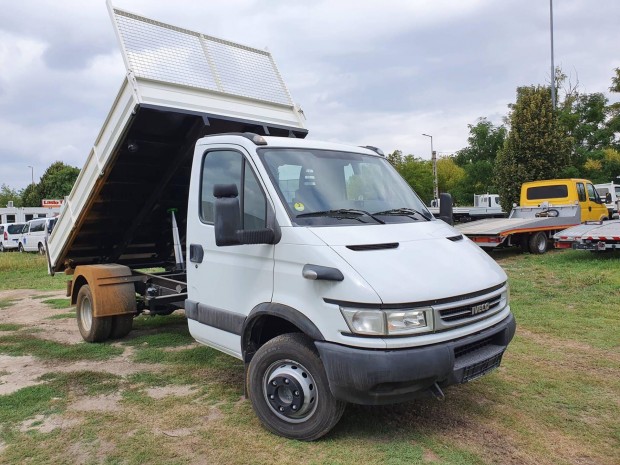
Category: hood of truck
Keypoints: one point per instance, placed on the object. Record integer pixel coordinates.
(431, 260)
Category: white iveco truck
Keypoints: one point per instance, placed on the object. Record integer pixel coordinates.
(315, 263)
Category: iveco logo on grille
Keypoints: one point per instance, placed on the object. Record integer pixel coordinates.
(480, 308)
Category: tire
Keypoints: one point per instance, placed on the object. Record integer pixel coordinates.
(289, 390)
(92, 329)
(121, 326)
(1, 247)
(538, 243)
(41, 249)
(20, 248)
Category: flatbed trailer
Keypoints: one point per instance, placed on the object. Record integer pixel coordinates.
(465, 214)
(527, 227)
(595, 236)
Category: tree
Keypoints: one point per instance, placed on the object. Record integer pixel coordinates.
(449, 175)
(9, 195)
(537, 146)
(30, 196)
(56, 183)
(478, 159)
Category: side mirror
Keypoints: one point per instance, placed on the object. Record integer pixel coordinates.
(608, 197)
(226, 214)
(445, 208)
(227, 219)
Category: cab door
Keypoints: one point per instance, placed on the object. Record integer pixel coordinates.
(596, 209)
(225, 283)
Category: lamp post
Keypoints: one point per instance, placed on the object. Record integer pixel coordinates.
(31, 173)
(434, 160)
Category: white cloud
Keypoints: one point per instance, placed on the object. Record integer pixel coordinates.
(377, 73)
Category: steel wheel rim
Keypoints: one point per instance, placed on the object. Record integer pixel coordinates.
(541, 243)
(86, 314)
(290, 391)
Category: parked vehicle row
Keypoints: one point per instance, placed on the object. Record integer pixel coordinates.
(26, 237)
(546, 207)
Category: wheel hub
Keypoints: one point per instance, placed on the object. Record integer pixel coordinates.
(290, 391)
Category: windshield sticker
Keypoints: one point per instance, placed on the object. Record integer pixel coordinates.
(299, 206)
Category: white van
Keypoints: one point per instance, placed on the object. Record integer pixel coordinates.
(34, 233)
(9, 235)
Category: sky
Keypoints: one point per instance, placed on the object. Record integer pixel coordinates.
(364, 72)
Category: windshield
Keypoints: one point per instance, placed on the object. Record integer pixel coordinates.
(321, 187)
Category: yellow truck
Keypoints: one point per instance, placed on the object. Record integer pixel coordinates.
(566, 192)
(547, 207)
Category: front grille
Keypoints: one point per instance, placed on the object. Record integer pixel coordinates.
(481, 368)
(471, 347)
(466, 311)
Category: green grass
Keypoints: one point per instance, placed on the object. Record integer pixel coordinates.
(574, 295)
(5, 303)
(28, 271)
(59, 304)
(10, 327)
(25, 344)
(553, 401)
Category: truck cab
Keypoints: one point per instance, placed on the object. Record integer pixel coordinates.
(327, 242)
(566, 192)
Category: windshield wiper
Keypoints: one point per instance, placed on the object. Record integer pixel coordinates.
(403, 212)
(342, 213)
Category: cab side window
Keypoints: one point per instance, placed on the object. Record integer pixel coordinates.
(581, 192)
(230, 167)
(592, 195)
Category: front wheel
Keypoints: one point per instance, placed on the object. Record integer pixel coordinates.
(92, 329)
(538, 243)
(20, 248)
(41, 249)
(289, 390)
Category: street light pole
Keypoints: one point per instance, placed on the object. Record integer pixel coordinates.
(434, 161)
(31, 173)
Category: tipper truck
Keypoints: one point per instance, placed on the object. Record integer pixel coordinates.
(314, 263)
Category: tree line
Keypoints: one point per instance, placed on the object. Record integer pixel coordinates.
(580, 138)
(56, 183)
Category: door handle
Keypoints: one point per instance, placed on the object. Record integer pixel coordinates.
(196, 253)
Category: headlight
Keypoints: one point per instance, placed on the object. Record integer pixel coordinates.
(388, 322)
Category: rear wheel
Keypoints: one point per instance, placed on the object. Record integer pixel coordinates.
(92, 329)
(538, 243)
(1, 247)
(121, 326)
(289, 390)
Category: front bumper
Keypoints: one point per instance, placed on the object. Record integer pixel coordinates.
(374, 377)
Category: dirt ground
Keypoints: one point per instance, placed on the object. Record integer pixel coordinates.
(29, 310)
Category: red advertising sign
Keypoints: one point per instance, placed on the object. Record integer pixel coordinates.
(51, 203)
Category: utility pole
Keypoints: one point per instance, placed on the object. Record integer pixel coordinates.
(552, 65)
(434, 161)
